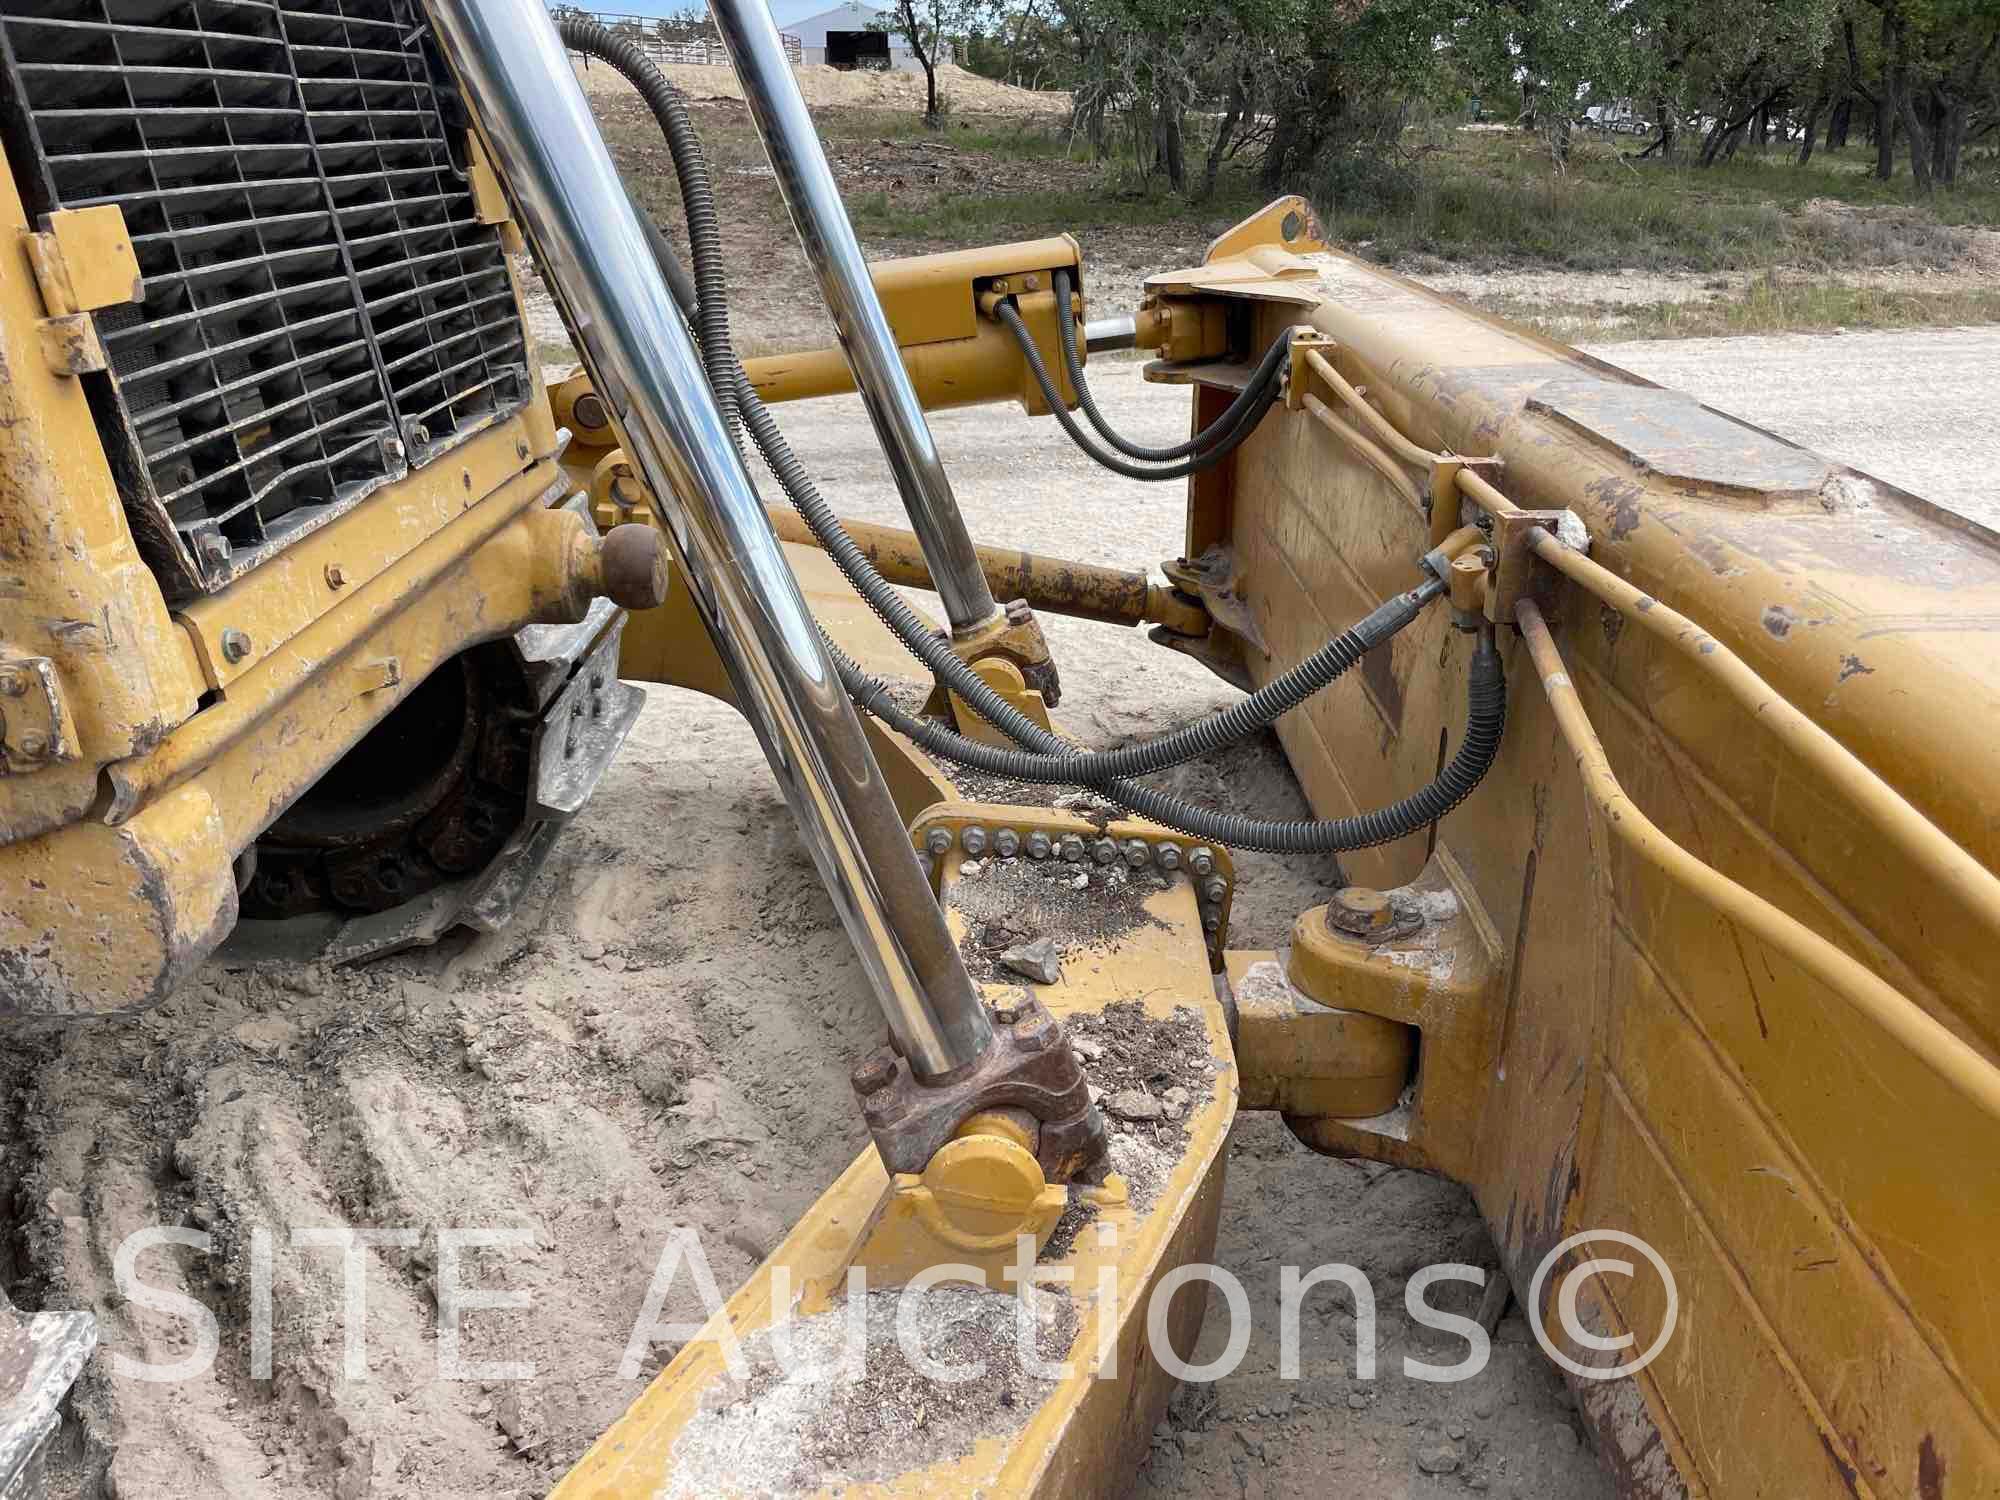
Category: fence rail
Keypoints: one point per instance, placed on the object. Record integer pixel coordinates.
(672, 51)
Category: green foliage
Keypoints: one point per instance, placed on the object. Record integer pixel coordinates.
(1286, 83)
(1361, 186)
(932, 29)
(1493, 201)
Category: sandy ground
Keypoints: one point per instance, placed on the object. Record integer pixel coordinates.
(1605, 292)
(1914, 408)
(825, 87)
(662, 1040)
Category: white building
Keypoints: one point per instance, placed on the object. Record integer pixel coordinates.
(855, 34)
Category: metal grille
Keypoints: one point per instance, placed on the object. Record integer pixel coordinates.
(323, 311)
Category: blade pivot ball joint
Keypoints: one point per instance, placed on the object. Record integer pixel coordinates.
(1028, 1066)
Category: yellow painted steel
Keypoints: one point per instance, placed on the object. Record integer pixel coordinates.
(1791, 668)
(136, 759)
(984, 366)
(112, 912)
(1116, 596)
(84, 260)
(1314, 1061)
(73, 590)
(982, 1191)
(511, 561)
(956, 355)
(1706, 959)
(1088, 1435)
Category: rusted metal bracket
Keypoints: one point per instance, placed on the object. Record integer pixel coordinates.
(969, 830)
(1298, 379)
(82, 260)
(36, 729)
(1512, 576)
(1444, 497)
(1028, 1066)
(1213, 578)
(1015, 637)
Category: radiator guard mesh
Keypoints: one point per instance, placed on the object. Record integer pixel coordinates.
(323, 311)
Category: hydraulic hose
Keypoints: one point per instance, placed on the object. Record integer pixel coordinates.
(740, 402)
(1263, 381)
(1486, 719)
(1073, 364)
(1203, 736)
(710, 314)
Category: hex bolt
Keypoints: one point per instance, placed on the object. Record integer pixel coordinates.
(938, 841)
(1169, 856)
(972, 840)
(1039, 845)
(1072, 848)
(235, 645)
(1215, 888)
(1006, 843)
(1201, 861)
(1104, 851)
(873, 1073)
(1211, 920)
(13, 684)
(1359, 911)
(336, 576)
(1138, 853)
(33, 746)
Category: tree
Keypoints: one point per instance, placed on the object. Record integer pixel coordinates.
(1555, 52)
(690, 23)
(1741, 66)
(929, 27)
(1937, 66)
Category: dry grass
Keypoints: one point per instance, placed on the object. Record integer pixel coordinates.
(1462, 200)
(1769, 304)
(1490, 200)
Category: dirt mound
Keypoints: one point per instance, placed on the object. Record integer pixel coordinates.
(838, 88)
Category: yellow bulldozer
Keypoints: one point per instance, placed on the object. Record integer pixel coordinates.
(1659, 753)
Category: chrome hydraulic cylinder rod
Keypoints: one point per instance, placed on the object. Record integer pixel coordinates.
(1120, 331)
(806, 181)
(569, 201)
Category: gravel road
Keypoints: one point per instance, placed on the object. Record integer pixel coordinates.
(1912, 407)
